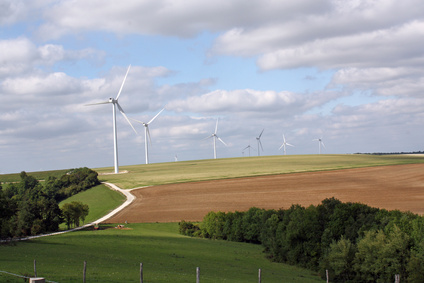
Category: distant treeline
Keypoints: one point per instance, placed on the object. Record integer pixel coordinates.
(394, 153)
(30, 207)
(354, 242)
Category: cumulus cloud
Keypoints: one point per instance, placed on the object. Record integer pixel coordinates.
(20, 55)
(384, 81)
(160, 16)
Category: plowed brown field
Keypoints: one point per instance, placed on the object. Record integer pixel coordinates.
(391, 187)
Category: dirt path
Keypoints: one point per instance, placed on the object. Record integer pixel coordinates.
(391, 187)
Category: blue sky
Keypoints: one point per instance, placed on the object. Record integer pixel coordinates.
(349, 72)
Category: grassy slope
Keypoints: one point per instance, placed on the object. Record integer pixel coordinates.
(100, 200)
(114, 255)
(186, 171)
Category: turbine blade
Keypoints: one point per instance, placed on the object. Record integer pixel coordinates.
(104, 102)
(323, 145)
(289, 144)
(156, 116)
(221, 140)
(122, 85)
(281, 146)
(125, 116)
(246, 147)
(261, 133)
(136, 120)
(261, 144)
(216, 127)
(148, 134)
(208, 137)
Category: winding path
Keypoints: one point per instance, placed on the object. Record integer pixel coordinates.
(129, 199)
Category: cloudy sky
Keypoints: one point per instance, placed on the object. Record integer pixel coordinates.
(347, 71)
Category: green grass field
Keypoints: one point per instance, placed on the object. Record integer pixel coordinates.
(100, 200)
(114, 255)
(188, 171)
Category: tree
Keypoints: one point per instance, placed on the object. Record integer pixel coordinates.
(381, 256)
(339, 260)
(73, 212)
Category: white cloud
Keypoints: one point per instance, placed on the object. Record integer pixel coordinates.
(389, 47)
(168, 17)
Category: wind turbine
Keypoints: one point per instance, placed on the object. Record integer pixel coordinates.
(115, 103)
(285, 143)
(215, 137)
(248, 147)
(320, 142)
(259, 142)
(147, 135)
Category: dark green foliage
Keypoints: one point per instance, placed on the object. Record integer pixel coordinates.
(73, 182)
(354, 242)
(29, 208)
(189, 229)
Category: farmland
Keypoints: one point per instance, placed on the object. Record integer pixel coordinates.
(215, 169)
(113, 255)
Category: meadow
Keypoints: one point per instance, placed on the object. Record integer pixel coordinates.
(114, 255)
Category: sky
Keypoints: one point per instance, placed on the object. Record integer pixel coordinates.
(349, 72)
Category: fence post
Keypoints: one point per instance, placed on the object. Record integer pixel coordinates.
(260, 275)
(141, 272)
(84, 271)
(35, 268)
(197, 274)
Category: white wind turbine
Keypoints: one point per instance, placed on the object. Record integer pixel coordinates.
(215, 137)
(147, 134)
(259, 142)
(320, 143)
(115, 103)
(285, 143)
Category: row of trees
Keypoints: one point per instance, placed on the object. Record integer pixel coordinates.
(354, 242)
(30, 207)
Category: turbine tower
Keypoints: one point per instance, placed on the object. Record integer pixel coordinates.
(259, 142)
(115, 103)
(285, 143)
(147, 135)
(215, 137)
(320, 143)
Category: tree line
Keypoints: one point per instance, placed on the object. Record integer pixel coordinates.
(30, 207)
(353, 241)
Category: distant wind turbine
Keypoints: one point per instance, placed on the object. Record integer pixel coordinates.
(147, 135)
(176, 158)
(320, 143)
(248, 147)
(285, 143)
(259, 142)
(215, 137)
(115, 133)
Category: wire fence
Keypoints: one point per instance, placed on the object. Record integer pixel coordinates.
(23, 276)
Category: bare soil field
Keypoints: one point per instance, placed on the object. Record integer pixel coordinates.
(391, 187)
